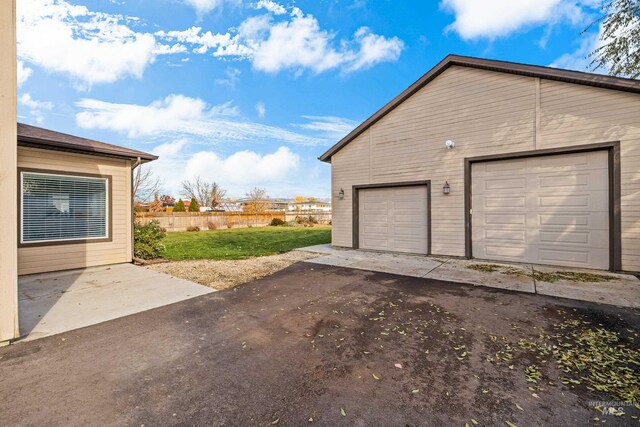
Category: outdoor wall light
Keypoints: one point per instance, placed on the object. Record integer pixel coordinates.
(450, 144)
(445, 188)
(341, 194)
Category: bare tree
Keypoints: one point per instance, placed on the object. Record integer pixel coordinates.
(257, 200)
(145, 184)
(217, 195)
(619, 50)
(207, 194)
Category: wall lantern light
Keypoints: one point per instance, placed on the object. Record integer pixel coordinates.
(449, 144)
(341, 194)
(446, 189)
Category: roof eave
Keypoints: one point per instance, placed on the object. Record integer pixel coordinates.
(72, 148)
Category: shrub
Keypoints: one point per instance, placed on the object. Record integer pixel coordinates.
(147, 242)
(193, 228)
(277, 221)
(212, 226)
(229, 225)
(179, 206)
(193, 205)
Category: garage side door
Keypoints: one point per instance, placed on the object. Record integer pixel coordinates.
(543, 210)
(393, 219)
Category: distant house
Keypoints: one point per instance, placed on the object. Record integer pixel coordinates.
(74, 201)
(309, 206)
(230, 207)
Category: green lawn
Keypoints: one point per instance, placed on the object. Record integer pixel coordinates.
(239, 243)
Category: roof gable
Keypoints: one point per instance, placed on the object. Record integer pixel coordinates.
(568, 76)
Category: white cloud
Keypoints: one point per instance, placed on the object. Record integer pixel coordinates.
(333, 128)
(233, 77)
(91, 47)
(182, 116)
(495, 18)
(374, 49)
(29, 102)
(205, 6)
(244, 167)
(271, 6)
(279, 41)
(236, 172)
(24, 73)
(261, 109)
(36, 108)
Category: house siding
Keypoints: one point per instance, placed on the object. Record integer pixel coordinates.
(486, 113)
(39, 259)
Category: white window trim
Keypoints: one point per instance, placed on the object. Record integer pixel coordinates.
(79, 239)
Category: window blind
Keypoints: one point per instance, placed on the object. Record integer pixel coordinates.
(61, 207)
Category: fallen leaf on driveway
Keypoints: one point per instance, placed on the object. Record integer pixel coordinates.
(343, 412)
(375, 377)
(398, 365)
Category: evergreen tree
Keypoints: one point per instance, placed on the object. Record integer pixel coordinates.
(179, 206)
(193, 205)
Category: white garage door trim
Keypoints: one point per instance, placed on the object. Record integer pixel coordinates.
(614, 177)
(356, 209)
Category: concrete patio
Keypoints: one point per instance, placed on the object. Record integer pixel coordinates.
(618, 289)
(52, 303)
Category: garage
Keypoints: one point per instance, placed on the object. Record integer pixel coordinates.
(543, 210)
(525, 164)
(394, 219)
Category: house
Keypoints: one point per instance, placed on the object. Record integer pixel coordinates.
(308, 206)
(74, 201)
(498, 161)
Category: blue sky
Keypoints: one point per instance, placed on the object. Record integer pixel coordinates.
(251, 93)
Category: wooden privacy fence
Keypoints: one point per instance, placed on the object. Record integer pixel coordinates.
(180, 221)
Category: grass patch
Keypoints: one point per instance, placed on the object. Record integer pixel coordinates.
(241, 243)
(487, 268)
(572, 276)
(544, 277)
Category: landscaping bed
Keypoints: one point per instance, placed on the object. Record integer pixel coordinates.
(225, 274)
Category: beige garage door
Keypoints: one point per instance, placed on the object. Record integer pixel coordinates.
(393, 219)
(543, 210)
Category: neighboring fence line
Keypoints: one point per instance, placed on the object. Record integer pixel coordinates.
(323, 217)
(180, 221)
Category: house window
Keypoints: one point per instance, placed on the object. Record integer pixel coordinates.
(63, 207)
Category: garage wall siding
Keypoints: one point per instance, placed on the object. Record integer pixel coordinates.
(68, 256)
(574, 115)
(485, 113)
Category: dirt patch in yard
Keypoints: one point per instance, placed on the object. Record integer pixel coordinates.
(225, 274)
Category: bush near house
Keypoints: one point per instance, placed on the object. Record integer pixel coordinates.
(276, 222)
(147, 243)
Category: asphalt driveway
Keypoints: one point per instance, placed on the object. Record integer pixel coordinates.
(322, 345)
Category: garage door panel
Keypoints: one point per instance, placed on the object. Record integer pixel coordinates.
(393, 219)
(560, 216)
